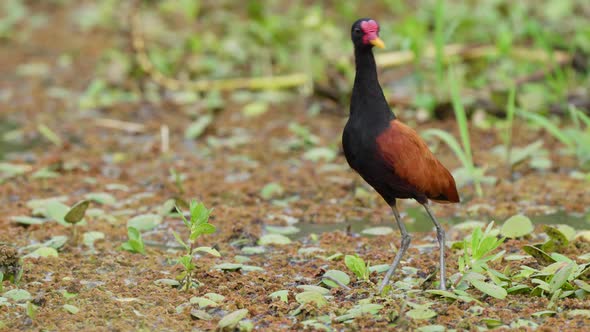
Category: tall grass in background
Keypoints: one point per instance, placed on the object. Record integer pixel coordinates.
(576, 138)
(510, 110)
(439, 40)
(461, 150)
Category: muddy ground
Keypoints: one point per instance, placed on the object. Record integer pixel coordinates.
(117, 290)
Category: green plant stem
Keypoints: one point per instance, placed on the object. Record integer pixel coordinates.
(439, 39)
(189, 270)
(510, 109)
(463, 129)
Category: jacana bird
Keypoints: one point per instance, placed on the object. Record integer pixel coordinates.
(386, 153)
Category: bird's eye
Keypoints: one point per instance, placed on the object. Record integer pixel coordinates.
(357, 30)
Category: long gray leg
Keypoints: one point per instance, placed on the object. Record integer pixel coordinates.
(406, 239)
(440, 235)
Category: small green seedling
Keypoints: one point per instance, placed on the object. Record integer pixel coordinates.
(477, 251)
(75, 215)
(177, 177)
(31, 310)
(135, 242)
(198, 224)
(357, 266)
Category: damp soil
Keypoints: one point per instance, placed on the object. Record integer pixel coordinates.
(116, 290)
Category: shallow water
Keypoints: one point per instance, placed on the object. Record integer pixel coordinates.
(416, 220)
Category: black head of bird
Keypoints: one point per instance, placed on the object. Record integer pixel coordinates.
(365, 34)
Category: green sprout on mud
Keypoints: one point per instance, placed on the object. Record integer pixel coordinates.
(510, 110)
(198, 225)
(135, 242)
(357, 266)
(75, 215)
(576, 139)
(477, 250)
(177, 177)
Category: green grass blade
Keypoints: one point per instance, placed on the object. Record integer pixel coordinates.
(461, 118)
(579, 115)
(451, 142)
(510, 110)
(439, 38)
(549, 126)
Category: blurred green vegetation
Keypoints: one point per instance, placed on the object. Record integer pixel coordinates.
(541, 47)
(192, 39)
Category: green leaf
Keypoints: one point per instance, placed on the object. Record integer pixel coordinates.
(200, 229)
(90, 237)
(492, 322)
(71, 309)
(282, 295)
(376, 231)
(215, 297)
(26, 220)
(489, 289)
(561, 235)
(179, 240)
(311, 297)
(379, 268)
(203, 302)
(167, 282)
(541, 256)
(253, 250)
(443, 293)
(320, 153)
(432, 328)
(57, 211)
(228, 266)
(101, 198)
(199, 213)
(49, 134)
(284, 230)
(421, 313)
(547, 125)
(255, 109)
(18, 295)
(135, 242)
(56, 242)
(578, 312)
(196, 128)
(580, 283)
(357, 266)
(43, 252)
(232, 319)
(451, 141)
(342, 277)
(276, 239)
(517, 226)
(209, 250)
(271, 190)
(561, 277)
(544, 313)
(145, 222)
(314, 288)
(200, 314)
(10, 170)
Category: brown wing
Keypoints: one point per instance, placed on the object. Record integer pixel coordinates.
(410, 158)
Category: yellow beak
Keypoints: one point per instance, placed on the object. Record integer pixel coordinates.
(377, 42)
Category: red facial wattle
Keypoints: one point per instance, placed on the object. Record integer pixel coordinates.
(371, 33)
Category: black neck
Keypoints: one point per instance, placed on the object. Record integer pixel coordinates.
(367, 97)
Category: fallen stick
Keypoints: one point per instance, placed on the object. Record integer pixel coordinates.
(130, 127)
(399, 58)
